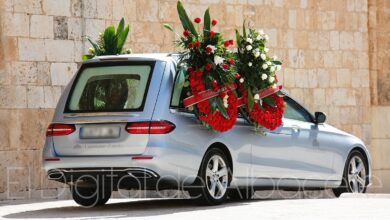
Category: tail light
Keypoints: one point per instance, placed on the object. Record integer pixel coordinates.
(150, 127)
(59, 129)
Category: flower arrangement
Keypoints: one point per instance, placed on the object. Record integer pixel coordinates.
(210, 70)
(264, 104)
(110, 42)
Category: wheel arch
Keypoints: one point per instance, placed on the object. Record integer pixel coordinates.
(365, 155)
(225, 150)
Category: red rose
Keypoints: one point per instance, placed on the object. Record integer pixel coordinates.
(214, 83)
(214, 22)
(197, 44)
(190, 45)
(212, 34)
(208, 50)
(186, 33)
(238, 76)
(231, 42)
(231, 61)
(197, 20)
(225, 66)
(226, 43)
(208, 66)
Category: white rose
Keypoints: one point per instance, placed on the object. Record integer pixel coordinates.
(248, 47)
(263, 56)
(241, 80)
(218, 60)
(257, 49)
(271, 79)
(274, 57)
(273, 68)
(265, 66)
(259, 37)
(261, 32)
(266, 37)
(256, 97)
(250, 64)
(266, 49)
(257, 54)
(278, 67)
(269, 63)
(249, 40)
(264, 76)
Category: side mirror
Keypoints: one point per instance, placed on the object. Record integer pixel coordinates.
(320, 117)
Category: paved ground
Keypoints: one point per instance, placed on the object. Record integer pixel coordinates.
(349, 207)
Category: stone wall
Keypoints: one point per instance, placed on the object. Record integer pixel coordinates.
(324, 45)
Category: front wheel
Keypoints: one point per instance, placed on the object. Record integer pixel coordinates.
(355, 177)
(213, 179)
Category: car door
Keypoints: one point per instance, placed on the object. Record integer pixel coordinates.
(293, 150)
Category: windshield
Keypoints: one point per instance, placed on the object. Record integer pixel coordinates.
(110, 88)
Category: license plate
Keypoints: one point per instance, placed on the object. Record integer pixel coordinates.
(90, 132)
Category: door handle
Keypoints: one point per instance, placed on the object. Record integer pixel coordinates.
(295, 128)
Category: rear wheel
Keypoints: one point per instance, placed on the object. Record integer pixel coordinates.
(213, 180)
(90, 196)
(355, 177)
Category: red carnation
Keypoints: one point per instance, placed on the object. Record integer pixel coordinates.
(226, 43)
(212, 34)
(186, 33)
(197, 44)
(208, 66)
(225, 66)
(238, 76)
(208, 50)
(231, 61)
(214, 22)
(197, 20)
(231, 42)
(190, 45)
(189, 69)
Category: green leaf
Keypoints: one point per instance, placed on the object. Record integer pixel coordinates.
(109, 41)
(206, 20)
(120, 27)
(169, 27)
(243, 30)
(250, 99)
(269, 100)
(238, 38)
(185, 20)
(122, 38)
(95, 46)
(221, 108)
(86, 57)
(277, 62)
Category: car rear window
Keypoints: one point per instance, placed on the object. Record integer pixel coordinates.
(110, 88)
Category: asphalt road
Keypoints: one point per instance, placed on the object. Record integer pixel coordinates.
(349, 207)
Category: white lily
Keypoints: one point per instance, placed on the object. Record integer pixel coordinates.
(212, 48)
(266, 49)
(218, 60)
(273, 68)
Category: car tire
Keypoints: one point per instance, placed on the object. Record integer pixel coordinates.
(211, 185)
(241, 194)
(90, 196)
(355, 175)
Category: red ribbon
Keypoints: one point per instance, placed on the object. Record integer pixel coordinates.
(207, 94)
(262, 94)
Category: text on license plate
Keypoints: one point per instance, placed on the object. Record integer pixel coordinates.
(99, 132)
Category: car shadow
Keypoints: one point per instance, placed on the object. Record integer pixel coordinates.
(142, 208)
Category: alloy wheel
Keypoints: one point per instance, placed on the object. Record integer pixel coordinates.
(216, 177)
(357, 175)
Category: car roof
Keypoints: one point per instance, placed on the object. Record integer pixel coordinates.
(134, 57)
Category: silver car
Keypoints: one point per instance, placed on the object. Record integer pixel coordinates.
(120, 124)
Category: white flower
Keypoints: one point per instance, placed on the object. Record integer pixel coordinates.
(250, 64)
(266, 49)
(249, 47)
(226, 105)
(278, 67)
(259, 37)
(91, 50)
(274, 57)
(212, 48)
(271, 79)
(261, 32)
(269, 63)
(266, 37)
(257, 49)
(263, 56)
(272, 69)
(218, 60)
(256, 54)
(265, 66)
(225, 97)
(264, 76)
(241, 80)
(249, 40)
(256, 97)
(273, 86)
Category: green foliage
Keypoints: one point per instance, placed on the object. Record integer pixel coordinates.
(110, 42)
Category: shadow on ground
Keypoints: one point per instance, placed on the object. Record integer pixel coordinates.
(143, 208)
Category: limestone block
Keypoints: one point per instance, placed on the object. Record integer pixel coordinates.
(59, 50)
(288, 39)
(76, 8)
(381, 181)
(35, 97)
(93, 27)
(334, 40)
(75, 29)
(146, 10)
(41, 26)
(16, 24)
(144, 32)
(31, 49)
(289, 78)
(323, 40)
(344, 78)
(55, 7)
(292, 19)
(104, 9)
(346, 40)
(28, 6)
(167, 11)
(51, 96)
(61, 73)
(380, 122)
(131, 10)
(60, 28)
(13, 97)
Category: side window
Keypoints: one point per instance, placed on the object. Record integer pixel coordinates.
(179, 91)
(293, 110)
